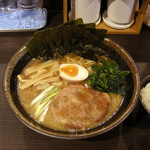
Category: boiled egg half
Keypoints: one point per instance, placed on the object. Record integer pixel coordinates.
(73, 72)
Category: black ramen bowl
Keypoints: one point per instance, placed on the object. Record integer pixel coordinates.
(21, 58)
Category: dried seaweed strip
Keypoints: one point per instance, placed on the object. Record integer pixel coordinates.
(73, 22)
(37, 46)
(49, 39)
(57, 36)
(69, 37)
(94, 40)
(99, 33)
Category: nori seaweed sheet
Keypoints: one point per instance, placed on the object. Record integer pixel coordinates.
(69, 37)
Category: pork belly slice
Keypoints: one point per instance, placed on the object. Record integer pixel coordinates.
(78, 107)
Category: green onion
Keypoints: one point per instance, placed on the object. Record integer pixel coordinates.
(52, 93)
(44, 99)
(47, 92)
(41, 109)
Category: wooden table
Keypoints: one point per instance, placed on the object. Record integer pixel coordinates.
(132, 134)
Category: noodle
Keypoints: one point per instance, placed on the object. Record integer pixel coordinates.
(47, 72)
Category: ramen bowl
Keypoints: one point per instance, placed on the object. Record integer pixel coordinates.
(22, 57)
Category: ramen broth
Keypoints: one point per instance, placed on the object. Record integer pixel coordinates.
(47, 119)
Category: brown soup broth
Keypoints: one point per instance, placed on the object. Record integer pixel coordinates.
(27, 95)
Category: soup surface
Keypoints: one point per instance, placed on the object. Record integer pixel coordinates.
(64, 100)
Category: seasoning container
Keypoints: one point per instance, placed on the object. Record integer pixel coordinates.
(22, 15)
(120, 13)
(7, 14)
(31, 14)
(88, 10)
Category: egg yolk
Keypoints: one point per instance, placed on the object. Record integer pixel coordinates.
(70, 70)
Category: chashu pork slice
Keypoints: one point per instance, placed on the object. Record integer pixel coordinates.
(77, 107)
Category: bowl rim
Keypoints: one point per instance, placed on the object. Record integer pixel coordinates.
(134, 99)
(143, 83)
